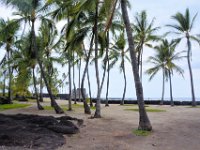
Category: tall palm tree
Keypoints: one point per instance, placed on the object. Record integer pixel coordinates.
(76, 42)
(103, 22)
(184, 25)
(144, 122)
(159, 62)
(164, 60)
(171, 56)
(144, 35)
(63, 11)
(33, 10)
(8, 31)
(25, 65)
(117, 54)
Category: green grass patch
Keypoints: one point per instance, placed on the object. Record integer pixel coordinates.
(77, 106)
(13, 106)
(148, 110)
(129, 105)
(141, 132)
(93, 108)
(31, 100)
(51, 108)
(64, 107)
(133, 105)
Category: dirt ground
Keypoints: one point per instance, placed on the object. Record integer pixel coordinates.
(176, 129)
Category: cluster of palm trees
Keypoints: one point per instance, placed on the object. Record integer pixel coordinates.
(100, 24)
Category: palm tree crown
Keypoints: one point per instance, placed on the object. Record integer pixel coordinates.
(184, 25)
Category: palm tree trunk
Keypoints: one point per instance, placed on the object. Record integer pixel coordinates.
(41, 89)
(89, 86)
(108, 70)
(56, 107)
(4, 84)
(144, 122)
(105, 67)
(171, 95)
(107, 86)
(88, 75)
(141, 64)
(36, 93)
(70, 89)
(73, 71)
(124, 93)
(10, 79)
(163, 89)
(98, 101)
(79, 80)
(190, 71)
(34, 50)
(86, 107)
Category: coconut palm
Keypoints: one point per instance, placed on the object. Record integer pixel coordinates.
(73, 40)
(8, 31)
(25, 67)
(144, 122)
(117, 54)
(144, 35)
(77, 36)
(103, 22)
(46, 45)
(33, 10)
(164, 58)
(184, 25)
(172, 56)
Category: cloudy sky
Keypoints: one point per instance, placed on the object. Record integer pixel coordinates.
(162, 11)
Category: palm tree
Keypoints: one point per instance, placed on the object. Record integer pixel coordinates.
(172, 56)
(119, 53)
(25, 66)
(144, 122)
(184, 25)
(144, 35)
(8, 31)
(164, 60)
(103, 22)
(159, 64)
(76, 42)
(33, 10)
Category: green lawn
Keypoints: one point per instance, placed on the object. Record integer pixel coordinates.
(13, 106)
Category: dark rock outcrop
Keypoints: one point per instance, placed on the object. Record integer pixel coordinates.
(4, 100)
(36, 132)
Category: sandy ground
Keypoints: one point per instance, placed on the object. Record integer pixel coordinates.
(176, 129)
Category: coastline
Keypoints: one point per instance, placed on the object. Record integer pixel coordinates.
(149, 102)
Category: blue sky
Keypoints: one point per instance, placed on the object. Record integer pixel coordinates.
(162, 11)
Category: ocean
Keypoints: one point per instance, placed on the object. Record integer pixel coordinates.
(165, 99)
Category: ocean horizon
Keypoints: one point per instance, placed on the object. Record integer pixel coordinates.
(154, 98)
